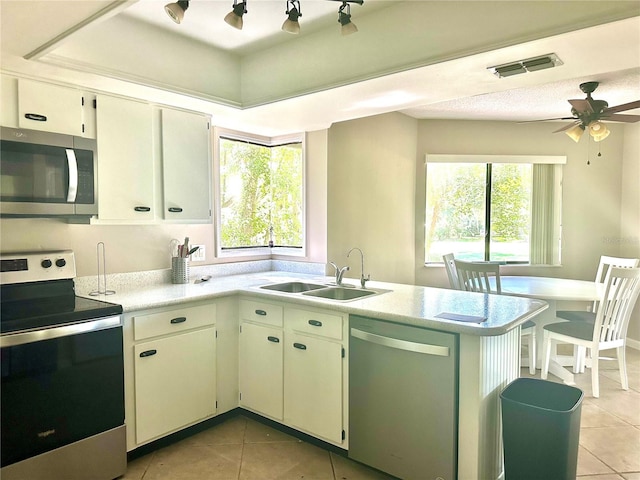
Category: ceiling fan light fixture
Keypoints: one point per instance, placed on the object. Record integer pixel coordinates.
(291, 24)
(176, 10)
(598, 131)
(575, 132)
(234, 17)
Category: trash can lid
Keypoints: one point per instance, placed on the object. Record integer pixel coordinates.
(543, 394)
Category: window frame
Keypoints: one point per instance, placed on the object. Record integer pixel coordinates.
(487, 160)
(256, 251)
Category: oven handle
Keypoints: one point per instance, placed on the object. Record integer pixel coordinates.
(57, 332)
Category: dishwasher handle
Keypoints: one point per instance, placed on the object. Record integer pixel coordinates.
(406, 345)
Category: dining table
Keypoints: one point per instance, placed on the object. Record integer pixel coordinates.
(552, 290)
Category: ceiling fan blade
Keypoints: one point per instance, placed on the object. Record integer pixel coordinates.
(548, 119)
(581, 106)
(566, 127)
(623, 107)
(615, 117)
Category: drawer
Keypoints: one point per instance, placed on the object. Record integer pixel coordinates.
(173, 321)
(261, 312)
(315, 323)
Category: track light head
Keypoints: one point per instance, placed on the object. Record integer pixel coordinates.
(176, 10)
(291, 24)
(234, 17)
(344, 18)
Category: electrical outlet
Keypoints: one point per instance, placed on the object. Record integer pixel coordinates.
(198, 255)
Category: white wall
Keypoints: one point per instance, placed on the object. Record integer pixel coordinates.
(371, 198)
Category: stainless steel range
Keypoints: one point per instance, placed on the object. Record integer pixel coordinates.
(62, 374)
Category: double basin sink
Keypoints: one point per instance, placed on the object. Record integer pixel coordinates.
(338, 293)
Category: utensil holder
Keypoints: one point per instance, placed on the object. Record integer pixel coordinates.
(180, 270)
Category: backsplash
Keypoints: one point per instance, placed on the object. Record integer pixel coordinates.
(125, 281)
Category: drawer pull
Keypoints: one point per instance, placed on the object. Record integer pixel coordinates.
(262, 313)
(35, 116)
(175, 209)
(179, 320)
(300, 346)
(315, 323)
(142, 209)
(273, 339)
(148, 353)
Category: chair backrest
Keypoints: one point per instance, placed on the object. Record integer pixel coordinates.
(622, 287)
(475, 276)
(450, 267)
(607, 262)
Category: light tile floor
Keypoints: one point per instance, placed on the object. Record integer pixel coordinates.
(243, 449)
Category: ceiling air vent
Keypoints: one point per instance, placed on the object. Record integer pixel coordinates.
(528, 65)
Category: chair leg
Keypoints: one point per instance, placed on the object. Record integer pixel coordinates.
(532, 353)
(578, 355)
(622, 366)
(595, 381)
(545, 358)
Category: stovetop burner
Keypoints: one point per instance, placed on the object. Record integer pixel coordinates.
(38, 292)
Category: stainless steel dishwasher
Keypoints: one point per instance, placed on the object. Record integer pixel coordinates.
(403, 402)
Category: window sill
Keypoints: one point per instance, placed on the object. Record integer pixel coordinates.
(264, 252)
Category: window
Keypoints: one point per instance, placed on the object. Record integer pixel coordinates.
(482, 208)
(260, 193)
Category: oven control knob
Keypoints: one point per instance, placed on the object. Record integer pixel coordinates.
(46, 263)
(61, 262)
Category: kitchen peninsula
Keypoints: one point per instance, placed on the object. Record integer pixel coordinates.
(218, 309)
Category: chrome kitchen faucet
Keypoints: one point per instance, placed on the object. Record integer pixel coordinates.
(363, 280)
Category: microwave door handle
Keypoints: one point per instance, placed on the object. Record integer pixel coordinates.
(73, 175)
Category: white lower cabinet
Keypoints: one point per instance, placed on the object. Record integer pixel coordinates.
(261, 358)
(175, 382)
(313, 386)
(170, 370)
(293, 367)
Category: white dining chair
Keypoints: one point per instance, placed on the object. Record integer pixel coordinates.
(476, 277)
(608, 331)
(605, 263)
(450, 267)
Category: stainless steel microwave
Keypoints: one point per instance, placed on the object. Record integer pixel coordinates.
(47, 174)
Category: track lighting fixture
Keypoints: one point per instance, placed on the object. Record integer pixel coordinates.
(234, 17)
(176, 10)
(344, 18)
(291, 24)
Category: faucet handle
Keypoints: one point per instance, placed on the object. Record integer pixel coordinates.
(364, 280)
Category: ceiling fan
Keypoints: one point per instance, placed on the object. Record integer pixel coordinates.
(588, 113)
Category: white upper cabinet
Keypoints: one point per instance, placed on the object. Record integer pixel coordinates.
(186, 166)
(50, 108)
(125, 160)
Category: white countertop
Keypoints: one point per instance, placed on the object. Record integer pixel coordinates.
(406, 304)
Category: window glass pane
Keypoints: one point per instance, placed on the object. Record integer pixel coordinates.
(287, 195)
(510, 212)
(455, 217)
(261, 194)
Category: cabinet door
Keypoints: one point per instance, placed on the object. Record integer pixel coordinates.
(175, 382)
(261, 387)
(125, 160)
(49, 108)
(186, 161)
(313, 386)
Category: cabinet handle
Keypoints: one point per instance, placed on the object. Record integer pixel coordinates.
(175, 209)
(273, 339)
(148, 353)
(262, 313)
(35, 116)
(315, 323)
(142, 209)
(300, 346)
(179, 320)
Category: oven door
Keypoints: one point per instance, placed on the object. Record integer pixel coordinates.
(60, 385)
